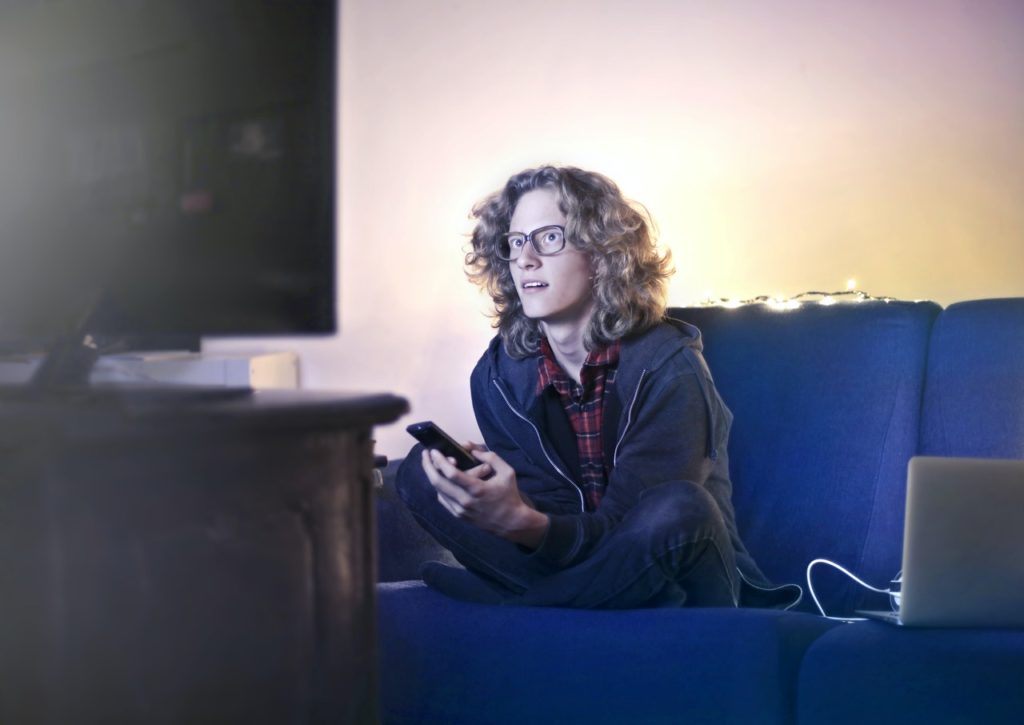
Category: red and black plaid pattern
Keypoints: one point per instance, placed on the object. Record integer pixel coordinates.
(584, 404)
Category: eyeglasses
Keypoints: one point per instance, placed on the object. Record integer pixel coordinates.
(546, 241)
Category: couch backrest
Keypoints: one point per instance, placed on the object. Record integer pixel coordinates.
(974, 390)
(827, 403)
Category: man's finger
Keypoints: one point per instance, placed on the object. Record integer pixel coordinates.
(452, 491)
(450, 486)
(483, 471)
(453, 507)
(495, 461)
(439, 481)
(463, 479)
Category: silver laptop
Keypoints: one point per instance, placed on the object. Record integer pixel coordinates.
(963, 544)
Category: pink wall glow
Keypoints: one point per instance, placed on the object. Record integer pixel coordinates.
(781, 146)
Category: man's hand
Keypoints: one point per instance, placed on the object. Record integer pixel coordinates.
(486, 496)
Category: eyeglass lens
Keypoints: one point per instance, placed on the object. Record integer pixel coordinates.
(546, 240)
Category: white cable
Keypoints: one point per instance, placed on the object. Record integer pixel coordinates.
(810, 588)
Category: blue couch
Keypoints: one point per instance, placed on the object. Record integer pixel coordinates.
(830, 402)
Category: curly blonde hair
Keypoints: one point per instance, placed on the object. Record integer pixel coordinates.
(630, 274)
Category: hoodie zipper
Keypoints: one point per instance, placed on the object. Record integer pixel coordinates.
(540, 441)
(629, 417)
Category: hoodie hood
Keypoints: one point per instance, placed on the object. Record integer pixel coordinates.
(648, 350)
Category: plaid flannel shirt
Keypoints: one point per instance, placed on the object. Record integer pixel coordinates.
(584, 404)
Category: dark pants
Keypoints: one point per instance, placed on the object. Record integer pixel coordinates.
(671, 549)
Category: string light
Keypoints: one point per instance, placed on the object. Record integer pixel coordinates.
(779, 302)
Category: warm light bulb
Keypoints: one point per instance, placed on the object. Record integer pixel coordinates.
(851, 284)
(782, 303)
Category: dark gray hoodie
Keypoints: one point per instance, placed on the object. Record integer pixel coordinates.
(672, 425)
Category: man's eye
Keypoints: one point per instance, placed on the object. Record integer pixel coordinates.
(551, 238)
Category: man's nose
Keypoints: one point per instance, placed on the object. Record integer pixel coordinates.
(528, 258)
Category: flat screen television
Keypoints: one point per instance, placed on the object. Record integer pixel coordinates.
(167, 169)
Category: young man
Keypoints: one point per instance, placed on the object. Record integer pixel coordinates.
(605, 481)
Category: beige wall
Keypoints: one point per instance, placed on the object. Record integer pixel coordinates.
(781, 146)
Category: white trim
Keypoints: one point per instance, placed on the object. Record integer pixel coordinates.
(629, 418)
(540, 441)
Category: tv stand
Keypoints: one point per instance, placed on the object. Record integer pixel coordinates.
(208, 562)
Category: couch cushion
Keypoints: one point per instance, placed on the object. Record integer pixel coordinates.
(826, 402)
(870, 672)
(444, 661)
(974, 393)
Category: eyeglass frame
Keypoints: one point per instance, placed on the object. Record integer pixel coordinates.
(528, 238)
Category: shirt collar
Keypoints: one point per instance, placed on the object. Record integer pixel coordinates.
(550, 371)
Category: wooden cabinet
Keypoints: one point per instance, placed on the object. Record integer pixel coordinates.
(192, 560)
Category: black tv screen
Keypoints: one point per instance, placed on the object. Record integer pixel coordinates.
(167, 168)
